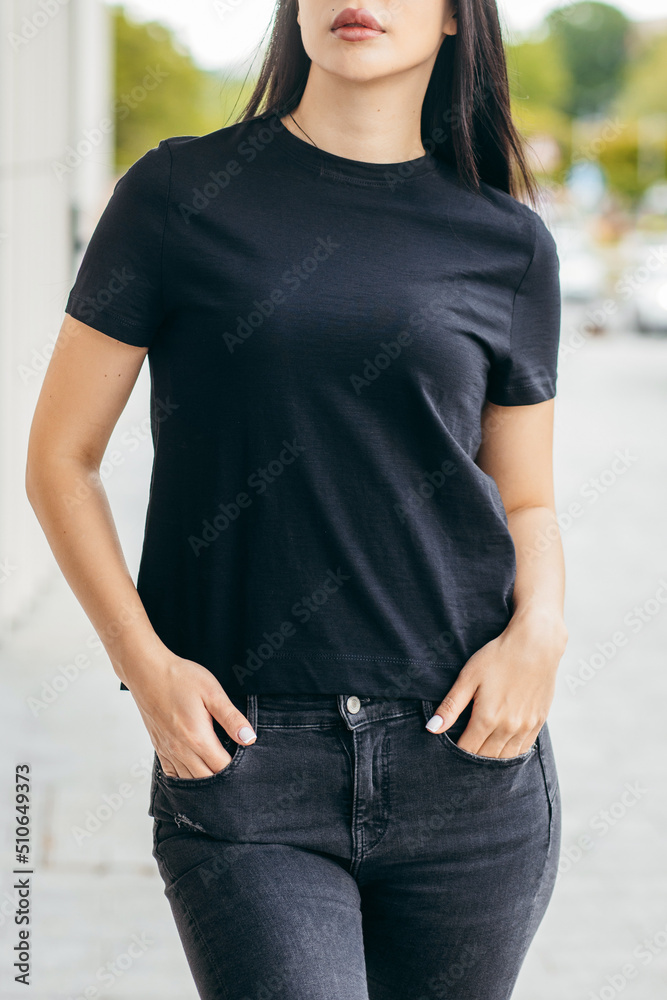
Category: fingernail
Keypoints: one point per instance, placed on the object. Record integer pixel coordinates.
(434, 723)
(246, 734)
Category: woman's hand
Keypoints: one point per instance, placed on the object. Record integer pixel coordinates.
(177, 700)
(512, 681)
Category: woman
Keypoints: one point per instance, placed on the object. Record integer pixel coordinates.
(348, 616)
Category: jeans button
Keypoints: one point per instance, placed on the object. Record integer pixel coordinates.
(353, 704)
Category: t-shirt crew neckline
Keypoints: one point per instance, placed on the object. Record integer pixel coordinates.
(354, 171)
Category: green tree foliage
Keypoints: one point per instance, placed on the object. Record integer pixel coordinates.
(593, 38)
(618, 159)
(180, 98)
(574, 65)
(645, 90)
(540, 86)
(538, 74)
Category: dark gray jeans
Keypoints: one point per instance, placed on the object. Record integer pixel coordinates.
(354, 855)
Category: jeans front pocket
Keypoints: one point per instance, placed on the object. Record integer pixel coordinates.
(449, 736)
(193, 803)
(237, 751)
(175, 781)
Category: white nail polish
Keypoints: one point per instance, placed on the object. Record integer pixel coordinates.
(246, 734)
(434, 723)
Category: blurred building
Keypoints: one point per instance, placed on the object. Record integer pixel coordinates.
(56, 165)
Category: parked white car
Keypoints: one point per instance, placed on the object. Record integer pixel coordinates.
(643, 283)
(651, 304)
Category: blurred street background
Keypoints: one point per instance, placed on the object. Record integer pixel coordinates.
(589, 89)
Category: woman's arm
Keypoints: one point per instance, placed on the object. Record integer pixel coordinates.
(512, 678)
(85, 389)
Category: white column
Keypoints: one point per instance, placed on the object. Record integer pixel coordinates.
(55, 94)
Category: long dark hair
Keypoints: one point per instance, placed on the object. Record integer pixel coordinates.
(466, 118)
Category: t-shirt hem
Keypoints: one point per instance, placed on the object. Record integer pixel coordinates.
(107, 323)
(344, 673)
(522, 394)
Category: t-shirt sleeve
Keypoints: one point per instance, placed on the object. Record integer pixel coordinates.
(528, 371)
(118, 287)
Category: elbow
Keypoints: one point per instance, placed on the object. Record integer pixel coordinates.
(28, 475)
(30, 484)
(50, 472)
(520, 508)
(36, 471)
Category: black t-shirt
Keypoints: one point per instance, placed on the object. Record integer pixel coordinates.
(323, 333)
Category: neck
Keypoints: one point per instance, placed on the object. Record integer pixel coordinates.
(377, 122)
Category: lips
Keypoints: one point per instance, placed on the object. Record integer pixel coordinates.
(359, 17)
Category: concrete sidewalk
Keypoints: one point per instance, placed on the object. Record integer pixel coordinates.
(96, 890)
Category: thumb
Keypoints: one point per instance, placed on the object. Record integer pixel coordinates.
(232, 721)
(451, 706)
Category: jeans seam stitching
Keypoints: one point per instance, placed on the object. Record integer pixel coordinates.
(357, 836)
(383, 718)
(210, 779)
(448, 744)
(493, 762)
(161, 856)
(547, 853)
(299, 725)
(386, 812)
(202, 940)
(151, 805)
(346, 751)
